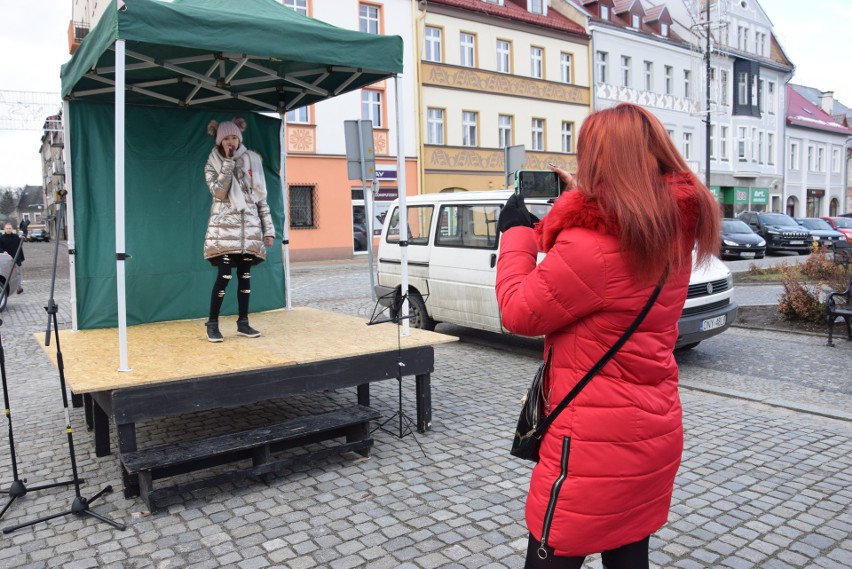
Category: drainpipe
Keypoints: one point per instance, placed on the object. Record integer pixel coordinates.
(846, 205)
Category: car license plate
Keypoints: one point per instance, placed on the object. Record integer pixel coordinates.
(797, 242)
(712, 323)
(747, 254)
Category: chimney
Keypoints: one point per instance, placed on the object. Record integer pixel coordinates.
(826, 101)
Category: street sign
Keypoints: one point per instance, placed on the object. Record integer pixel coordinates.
(358, 136)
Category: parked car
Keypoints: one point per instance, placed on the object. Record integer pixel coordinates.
(10, 280)
(781, 231)
(841, 224)
(821, 230)
(739, 241)
(38, 235)
(359, 236)
(453, 245)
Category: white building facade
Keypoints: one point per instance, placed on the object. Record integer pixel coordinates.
(815, 181)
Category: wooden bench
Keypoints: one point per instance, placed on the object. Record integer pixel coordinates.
(257, 444)
(839, 304)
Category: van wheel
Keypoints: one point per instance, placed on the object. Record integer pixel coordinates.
(419, 318)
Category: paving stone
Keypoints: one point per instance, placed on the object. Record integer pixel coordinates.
(760, 485)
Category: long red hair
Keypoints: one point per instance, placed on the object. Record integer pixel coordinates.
(625, 161)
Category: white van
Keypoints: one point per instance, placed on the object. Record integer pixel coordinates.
(453, 244)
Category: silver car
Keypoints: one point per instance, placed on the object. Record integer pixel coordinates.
(10, 280)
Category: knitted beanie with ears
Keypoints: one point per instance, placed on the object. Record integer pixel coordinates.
(227, 128)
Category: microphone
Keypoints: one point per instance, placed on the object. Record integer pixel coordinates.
(230, 152)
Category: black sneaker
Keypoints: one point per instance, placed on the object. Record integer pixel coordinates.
(243, 329)
(213, 334)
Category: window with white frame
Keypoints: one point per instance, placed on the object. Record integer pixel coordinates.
(298, 116)
(753, 144)
(625, 71)
(687, 83)
(504, 56)
(604, 12)
(770, 97)
(669, 76)
(565, 70)
(794, 156)
(811, 158)
(835, 160)
(635, 20)
(670, 133)
(742, 135)
(724, 88)
(664, 29)
(504, 130)
(536, 62)
(371, 106)
(301, 6)
(369, 18)
(742, 88)
(755, 92)
(434, 126)
(469, 127)
(567, 137)
(467, 45)
(538, 134)
(537, 7)
(742, 38)
(713, 142)
(760, 136)
(770, 148)
(687, 145)
(723, 142)
(433, 51)
(821, 159)
(762, 96)
(649, 75)
(601, 61)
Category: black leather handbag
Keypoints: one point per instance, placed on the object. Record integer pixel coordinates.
(532, 423)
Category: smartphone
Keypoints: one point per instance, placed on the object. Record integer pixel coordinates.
(538, 184)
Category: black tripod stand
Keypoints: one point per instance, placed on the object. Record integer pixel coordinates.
(80, 505)
(18, 487)
(406, 425)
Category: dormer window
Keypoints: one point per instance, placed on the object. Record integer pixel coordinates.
(497, 2)
(537, 7)
(635, 20)
(664, 29)
(604, 12)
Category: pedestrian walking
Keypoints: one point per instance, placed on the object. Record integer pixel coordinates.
(240, 225)
(629, 220)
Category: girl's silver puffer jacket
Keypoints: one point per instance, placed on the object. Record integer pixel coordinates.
(229, 230)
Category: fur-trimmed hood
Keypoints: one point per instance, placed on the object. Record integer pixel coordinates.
(573, 209)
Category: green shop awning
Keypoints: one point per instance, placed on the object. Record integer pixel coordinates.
(225, 55)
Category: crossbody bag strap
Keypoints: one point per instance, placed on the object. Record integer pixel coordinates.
(542, 427)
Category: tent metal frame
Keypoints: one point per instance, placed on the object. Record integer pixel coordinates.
(215, 85)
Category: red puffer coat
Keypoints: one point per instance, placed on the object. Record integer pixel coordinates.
(608, 463)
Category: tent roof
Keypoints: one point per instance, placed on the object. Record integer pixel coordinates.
(225, 55)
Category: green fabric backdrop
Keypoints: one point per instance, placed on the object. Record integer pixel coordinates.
(167, 205)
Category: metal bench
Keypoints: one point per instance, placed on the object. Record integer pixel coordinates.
(256, 444)
(839, 304)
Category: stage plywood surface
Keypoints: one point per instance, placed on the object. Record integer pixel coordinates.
(168, 351)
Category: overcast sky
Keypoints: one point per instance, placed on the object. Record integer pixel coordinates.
(817, 36)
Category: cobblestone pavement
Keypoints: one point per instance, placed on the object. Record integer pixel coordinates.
(766, 479)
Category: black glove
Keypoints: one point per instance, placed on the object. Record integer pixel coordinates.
(515, 214)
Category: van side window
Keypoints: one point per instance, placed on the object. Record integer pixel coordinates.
(473, 226)
(419, 222)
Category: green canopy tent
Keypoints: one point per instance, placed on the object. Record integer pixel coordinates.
(138, 94)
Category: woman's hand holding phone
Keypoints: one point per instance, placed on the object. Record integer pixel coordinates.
(567, 179)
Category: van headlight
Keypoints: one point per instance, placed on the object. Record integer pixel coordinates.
(762, 243)
(730, 280)
(729, 243)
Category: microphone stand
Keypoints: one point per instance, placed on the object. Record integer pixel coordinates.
(80, 505)
(18, 488)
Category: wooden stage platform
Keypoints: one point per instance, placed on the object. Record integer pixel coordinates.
(175, 371)
(169, 351)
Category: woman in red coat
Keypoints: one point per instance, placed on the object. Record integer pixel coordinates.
(607, 464)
